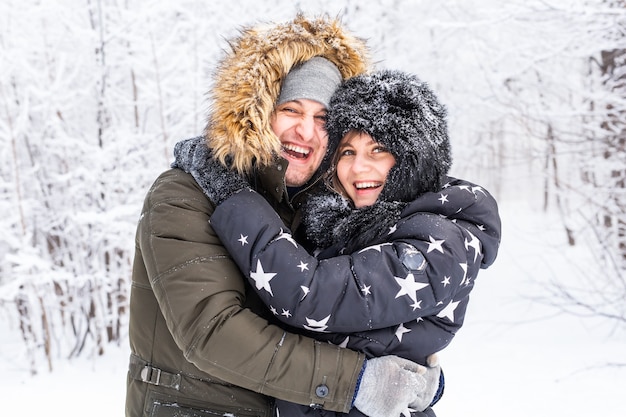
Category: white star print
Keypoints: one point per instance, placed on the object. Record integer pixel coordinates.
(243, 239)
(344, 344)
(465, 279)
(305, 291)
(365, 289)
(261, 278)
(478, 188)
(448, 311)
(303, 266)
(446, 281)
(273, 310)
(286, 313)
(375, 247)
(287, 237)
(417, 305)
(410, 287)
(474, 243)
(443, 198)
(317, 325)
(393, 229)
(434, 245)
(400, 331)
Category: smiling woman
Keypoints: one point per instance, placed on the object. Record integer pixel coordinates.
(362, 168)
(402, 114)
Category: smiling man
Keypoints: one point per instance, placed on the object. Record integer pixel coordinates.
(299, 122)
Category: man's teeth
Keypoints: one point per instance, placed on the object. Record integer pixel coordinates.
(295, 148)
(362, 185)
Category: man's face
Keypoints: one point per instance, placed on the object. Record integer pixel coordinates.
(299, 125)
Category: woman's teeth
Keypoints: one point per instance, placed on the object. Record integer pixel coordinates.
(363, 185)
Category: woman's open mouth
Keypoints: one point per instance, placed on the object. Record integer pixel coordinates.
(367, 185)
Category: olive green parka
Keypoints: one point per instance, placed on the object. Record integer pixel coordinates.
(202, 344)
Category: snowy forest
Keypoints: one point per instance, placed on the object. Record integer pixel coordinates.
(95, 93)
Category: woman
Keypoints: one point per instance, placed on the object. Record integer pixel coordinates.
(398, 244)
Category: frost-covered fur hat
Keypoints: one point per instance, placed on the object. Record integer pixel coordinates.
(401, 112)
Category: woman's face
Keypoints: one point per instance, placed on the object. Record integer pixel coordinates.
(362, 167)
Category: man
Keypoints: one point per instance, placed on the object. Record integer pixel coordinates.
(203, 344)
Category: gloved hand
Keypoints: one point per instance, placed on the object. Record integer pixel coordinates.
(217, 181)
(388, 385)
(426, 397)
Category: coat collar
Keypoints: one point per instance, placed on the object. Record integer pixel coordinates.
(270, 180)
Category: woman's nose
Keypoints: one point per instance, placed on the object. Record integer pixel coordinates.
(360, 164)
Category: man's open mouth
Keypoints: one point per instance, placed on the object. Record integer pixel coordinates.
(295, 151)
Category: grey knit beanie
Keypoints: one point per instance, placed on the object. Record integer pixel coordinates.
(401, 112)
(315, 79)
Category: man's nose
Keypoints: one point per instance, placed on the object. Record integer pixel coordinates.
(306, 127)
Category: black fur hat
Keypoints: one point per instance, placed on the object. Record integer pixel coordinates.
(401, 112)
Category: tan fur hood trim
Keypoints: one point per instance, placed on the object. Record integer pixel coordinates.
(247, 82)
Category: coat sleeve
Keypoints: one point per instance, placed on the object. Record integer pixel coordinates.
(416, 272)
(415, 340)
(201, 294)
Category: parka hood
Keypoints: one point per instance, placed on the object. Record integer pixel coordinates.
(247, 83)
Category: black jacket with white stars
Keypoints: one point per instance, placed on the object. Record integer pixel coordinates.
(404, 292)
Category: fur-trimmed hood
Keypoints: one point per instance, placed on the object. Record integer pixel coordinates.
(247, 83)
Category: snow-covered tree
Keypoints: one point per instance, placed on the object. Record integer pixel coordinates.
(596, 196)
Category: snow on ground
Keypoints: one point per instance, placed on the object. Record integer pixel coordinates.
(514, 357)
